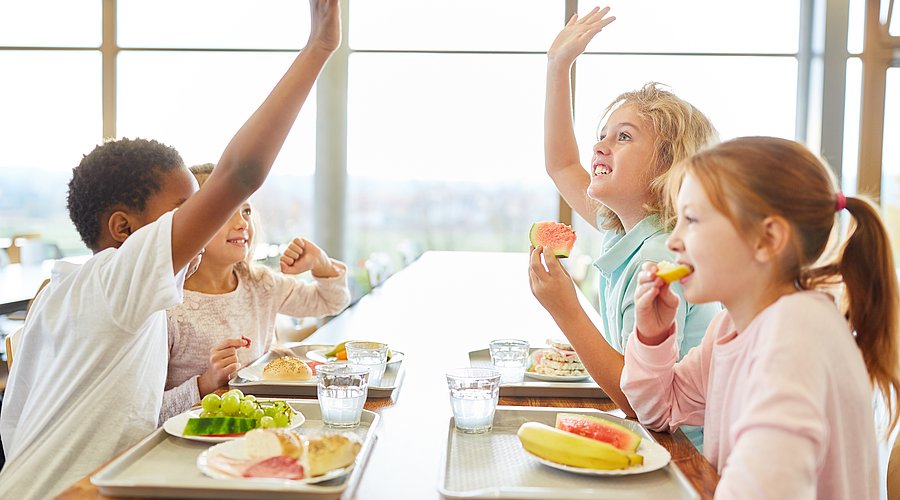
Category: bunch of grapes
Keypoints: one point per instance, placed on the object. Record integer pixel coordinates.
(235, 404)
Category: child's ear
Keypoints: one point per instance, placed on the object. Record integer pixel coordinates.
(120, 225)
(774, 237)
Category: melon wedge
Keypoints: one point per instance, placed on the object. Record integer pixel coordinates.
(670, 272)
(554, 236)
(599, 429)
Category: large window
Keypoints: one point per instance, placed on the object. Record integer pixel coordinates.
(444, 99)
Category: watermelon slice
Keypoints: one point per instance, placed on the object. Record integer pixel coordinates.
(600, 429)
(554, 236)
(217, 426)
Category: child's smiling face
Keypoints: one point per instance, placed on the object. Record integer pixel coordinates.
(705, 239)
(622, 162)
(231, 244)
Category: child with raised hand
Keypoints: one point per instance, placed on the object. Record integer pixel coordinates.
(90, 368)
(227, 318)
(782, 382)
(647, 131)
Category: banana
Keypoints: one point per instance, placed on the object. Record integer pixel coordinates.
(571, 449)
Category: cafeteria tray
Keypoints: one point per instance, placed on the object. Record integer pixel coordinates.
(390, 381)
(165, 466)
(494, 465)
(537, 388)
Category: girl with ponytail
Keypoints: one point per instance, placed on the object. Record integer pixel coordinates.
(783, 379)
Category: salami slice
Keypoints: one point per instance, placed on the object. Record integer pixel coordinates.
(280, 466)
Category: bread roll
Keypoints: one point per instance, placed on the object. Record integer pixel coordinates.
(331, 451)
(265, 443)
(287, 368)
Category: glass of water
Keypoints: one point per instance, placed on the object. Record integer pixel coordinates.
(342, 391)
(510, 358)
(372, 355)
(474, 393)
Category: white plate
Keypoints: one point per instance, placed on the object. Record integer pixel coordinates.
(556, 378)
(655, 457)
(175, 425)
(235, 449)
(318, 354)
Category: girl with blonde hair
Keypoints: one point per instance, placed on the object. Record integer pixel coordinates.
(645, 132)
(782, 381)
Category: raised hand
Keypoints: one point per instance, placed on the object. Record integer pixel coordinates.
(654, 306)
(325, 29)
(302, 255)
(551, 285)
(223, 363)
(573, 39)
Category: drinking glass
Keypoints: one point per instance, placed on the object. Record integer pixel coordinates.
(342, 390)
(473, 397)
(372, 355)
(510, 358)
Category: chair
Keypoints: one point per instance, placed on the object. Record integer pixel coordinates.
(12, 340)
(290, 329)
(893, 472)
(380, 268)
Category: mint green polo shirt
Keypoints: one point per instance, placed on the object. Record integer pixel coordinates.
(622, 258)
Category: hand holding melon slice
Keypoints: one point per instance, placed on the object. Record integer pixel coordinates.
(556, 237)
(670, 272)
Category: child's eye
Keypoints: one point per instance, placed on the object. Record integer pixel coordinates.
(601, 137)
(689, 220)
(247, 211)
(623, 136)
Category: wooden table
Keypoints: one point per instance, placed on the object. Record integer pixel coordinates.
(436, 311)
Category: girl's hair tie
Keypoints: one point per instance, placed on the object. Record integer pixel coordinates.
(840, 201)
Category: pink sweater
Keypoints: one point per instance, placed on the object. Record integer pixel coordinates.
(786, 405)
(203, 320)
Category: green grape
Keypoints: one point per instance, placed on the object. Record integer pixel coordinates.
(205, 414)
(281, 420)
(231, 403)
(266, 422)
(236, 392)
(258, 414)
(248, 408)
(250, 397)
(211, 402)
(270, 411)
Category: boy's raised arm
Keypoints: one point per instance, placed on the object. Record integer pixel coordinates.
(561, 156)
(249, 156)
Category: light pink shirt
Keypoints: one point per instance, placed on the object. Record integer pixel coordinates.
(786, 405)
(203, 320)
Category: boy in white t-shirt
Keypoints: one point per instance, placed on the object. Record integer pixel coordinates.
(91, 365)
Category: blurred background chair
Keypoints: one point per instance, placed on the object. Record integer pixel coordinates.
(380, 267)
(291, 329)
(30, 249)
(409, 251)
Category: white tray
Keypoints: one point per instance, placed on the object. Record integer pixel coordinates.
(164, 466)
(494, 465)
(537, 388)
(390, 381)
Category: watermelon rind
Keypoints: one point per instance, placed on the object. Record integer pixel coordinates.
(600, 429)
(218, 425)
(538, 237)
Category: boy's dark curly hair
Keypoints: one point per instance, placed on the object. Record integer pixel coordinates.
(122, 172)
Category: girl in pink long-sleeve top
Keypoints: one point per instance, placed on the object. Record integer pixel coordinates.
(781, 381)
(227, 319)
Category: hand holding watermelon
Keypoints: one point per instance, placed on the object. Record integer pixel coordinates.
(550, 281)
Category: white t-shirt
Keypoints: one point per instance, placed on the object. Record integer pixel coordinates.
(90, 368)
